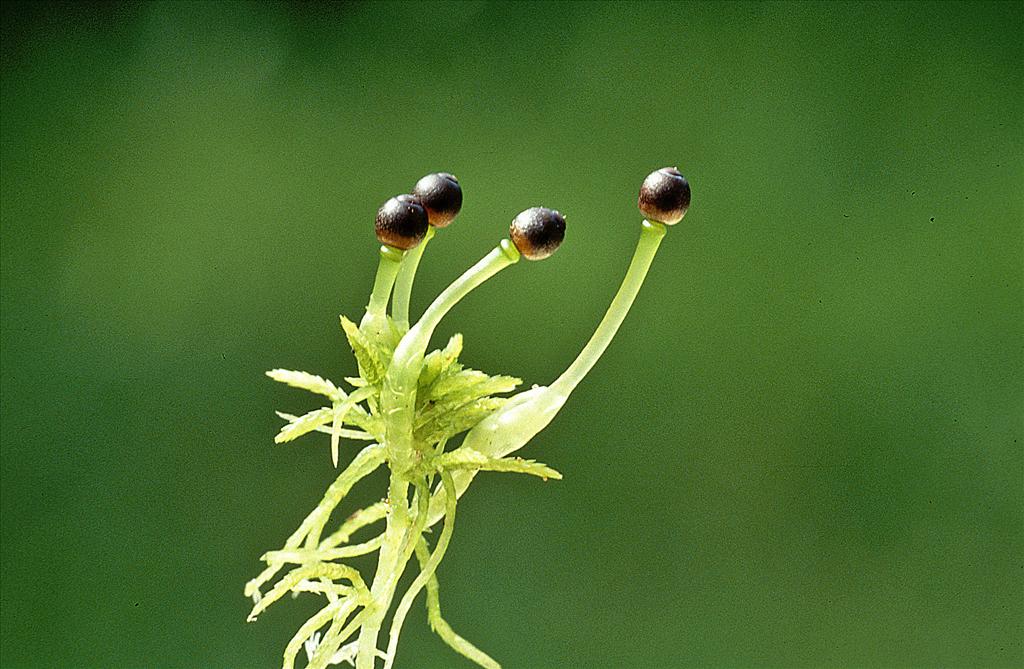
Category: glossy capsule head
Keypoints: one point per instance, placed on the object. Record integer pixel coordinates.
(402, 222)
(537, 232)
(441, 195)
(664, 196)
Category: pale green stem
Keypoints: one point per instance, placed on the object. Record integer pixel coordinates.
(361, 466)
(420, 523)
(650, 238)
(440, 625)
(403, 284)
(354, 523)
(529, 412)
(306, 556)
(375, 320)
(333, 640)
(364, 464)
(398, 397)
(388, 570)
(391, 566)
(398, 401)
(331, 570)
(325, 587)
(427, 571)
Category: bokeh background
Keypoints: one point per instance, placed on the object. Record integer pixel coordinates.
(803, 449)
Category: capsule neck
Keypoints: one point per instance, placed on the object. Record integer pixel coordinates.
(387, 270)
(510, 250)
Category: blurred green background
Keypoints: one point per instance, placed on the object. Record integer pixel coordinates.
(803, 449)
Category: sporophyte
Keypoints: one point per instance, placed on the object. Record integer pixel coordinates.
(408, 405)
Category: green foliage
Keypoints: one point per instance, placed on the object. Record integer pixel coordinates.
(373, 358)
(467, 459)
(438, 362)
(304, 424)
(307, 381)
(347, 434)
(412, 403)
(435, 424)
(450, 399)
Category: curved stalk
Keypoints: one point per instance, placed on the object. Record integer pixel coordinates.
(511, 427)
(398, 396)
(651, 235)
(440, 625)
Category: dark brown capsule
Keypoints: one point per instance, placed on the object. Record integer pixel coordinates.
(537, 232)
(402, 222)
(441, 195)
(664, 196)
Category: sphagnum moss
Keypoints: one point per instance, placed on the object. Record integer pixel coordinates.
(409, 404)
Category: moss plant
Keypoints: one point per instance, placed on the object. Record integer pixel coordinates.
(411, 405)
